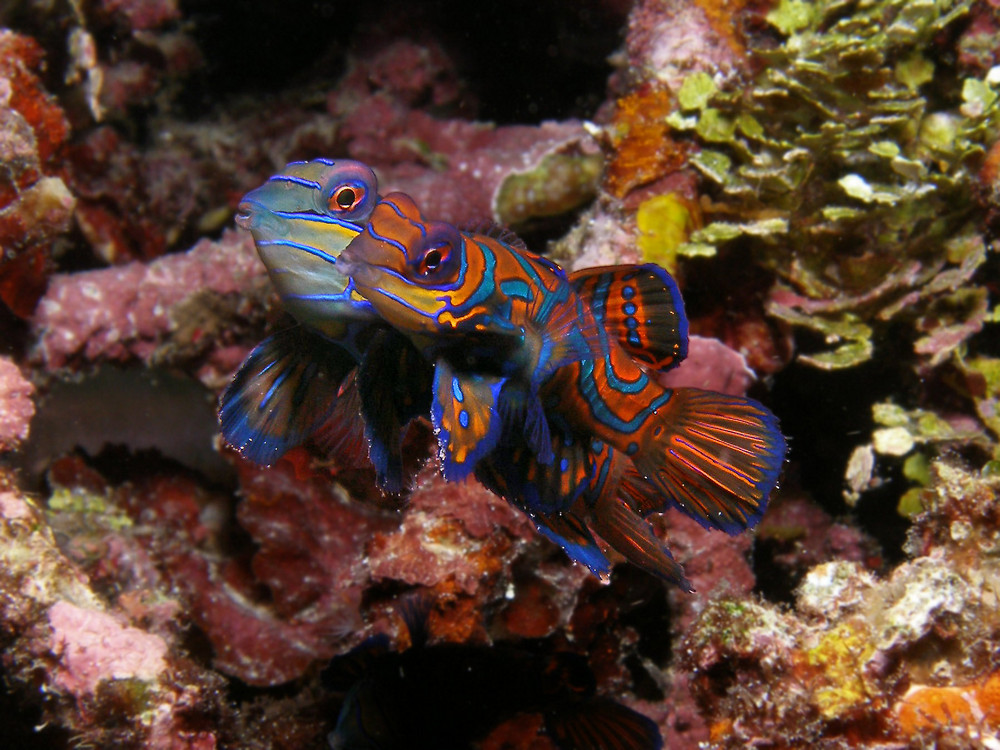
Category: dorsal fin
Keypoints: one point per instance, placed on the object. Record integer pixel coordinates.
(489, 228)
(640, 306)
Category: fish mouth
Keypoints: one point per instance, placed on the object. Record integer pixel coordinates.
(244, 215)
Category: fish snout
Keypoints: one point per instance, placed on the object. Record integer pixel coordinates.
(244, 215)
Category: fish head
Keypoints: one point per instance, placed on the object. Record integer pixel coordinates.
(301, 220)
(410, 269)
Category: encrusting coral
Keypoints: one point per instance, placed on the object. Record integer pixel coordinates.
(908, 661)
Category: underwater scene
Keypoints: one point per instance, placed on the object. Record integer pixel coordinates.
(557, 375)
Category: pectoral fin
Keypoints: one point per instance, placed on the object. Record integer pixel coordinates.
(465, 416)
(282, 393)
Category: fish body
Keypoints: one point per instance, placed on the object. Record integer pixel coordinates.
(545, 386)
(300, 383)
(495, 323)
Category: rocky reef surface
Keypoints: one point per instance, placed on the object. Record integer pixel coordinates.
(823, 178)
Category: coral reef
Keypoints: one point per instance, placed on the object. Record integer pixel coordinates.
(822, 179)
(906, 661)
(35, 205)
(16, 406)
(171, 310)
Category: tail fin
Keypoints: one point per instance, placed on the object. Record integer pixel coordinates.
(716, 457)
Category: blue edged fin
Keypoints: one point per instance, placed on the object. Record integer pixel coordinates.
(466, 420)
(641, 307)
(545, 494)
(282, 393)
(572, 534)
(610, 502)
(714, 457)
(393, 382)
(601, 724)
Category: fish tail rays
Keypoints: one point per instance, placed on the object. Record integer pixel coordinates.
(716, 457)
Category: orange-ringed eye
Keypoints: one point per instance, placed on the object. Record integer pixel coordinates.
(346, 198)
(432, 259)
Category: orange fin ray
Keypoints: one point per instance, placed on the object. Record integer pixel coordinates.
(716, 457)
(626, 531)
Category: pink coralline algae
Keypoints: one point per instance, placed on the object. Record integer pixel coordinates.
(669, 39)
(460, 535)
(93, 646)
(470, 163)
(16, 405)
(128, 312)
(310, 558)
(96, 662)
(711, 366)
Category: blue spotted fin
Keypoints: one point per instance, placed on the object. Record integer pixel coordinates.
(393, 382)
(601, 724)
(282, 393)
(641, 307)
(466, 420)
(713, 456)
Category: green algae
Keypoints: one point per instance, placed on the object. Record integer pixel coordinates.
(861, 149)
(664, 223)
(94, 507)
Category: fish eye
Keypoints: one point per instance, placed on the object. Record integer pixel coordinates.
(433, 258)
(346, 198)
